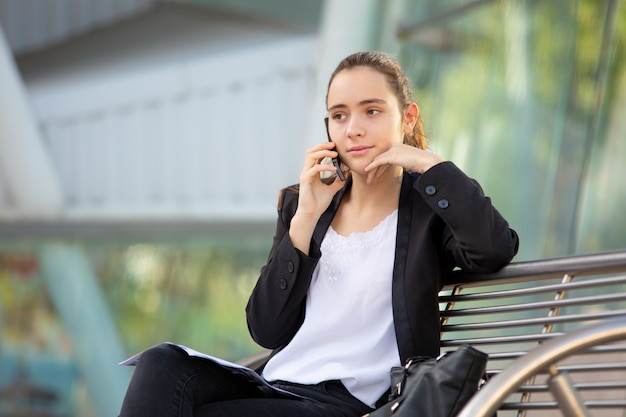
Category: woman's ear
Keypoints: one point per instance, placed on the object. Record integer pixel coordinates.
(411, 115)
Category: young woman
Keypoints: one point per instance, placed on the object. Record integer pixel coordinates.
(351, 282)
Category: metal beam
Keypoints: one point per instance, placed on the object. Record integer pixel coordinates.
(407, 30)
(79, 302)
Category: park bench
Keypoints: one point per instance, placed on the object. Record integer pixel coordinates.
(555, 332)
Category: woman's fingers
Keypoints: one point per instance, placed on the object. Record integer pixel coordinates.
(395, 155)
(316, 155)
(406, 156)
(376, 173)
(314, 172)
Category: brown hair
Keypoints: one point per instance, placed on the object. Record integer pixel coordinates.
(397, 81)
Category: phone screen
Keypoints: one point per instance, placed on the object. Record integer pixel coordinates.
(336, 161)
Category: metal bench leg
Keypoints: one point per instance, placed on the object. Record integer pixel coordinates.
(562, 388)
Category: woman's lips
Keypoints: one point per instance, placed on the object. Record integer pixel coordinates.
(359, 150)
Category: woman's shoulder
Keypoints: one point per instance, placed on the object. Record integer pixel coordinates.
(288, 197)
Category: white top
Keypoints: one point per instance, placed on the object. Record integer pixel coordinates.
(348, 332)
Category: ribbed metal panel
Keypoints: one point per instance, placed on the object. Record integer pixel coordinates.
(211, 138)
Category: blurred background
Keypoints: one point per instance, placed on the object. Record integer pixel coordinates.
(143, 144)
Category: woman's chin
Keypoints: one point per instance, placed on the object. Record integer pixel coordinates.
(359, 168)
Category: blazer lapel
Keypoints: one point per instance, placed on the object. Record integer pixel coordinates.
(327, 217)
(400, 312)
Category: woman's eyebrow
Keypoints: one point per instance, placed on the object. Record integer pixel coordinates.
(361, 103)
(371, 101)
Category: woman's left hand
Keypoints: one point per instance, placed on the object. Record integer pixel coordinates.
(406, 156)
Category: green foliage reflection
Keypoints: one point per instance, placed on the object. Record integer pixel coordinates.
(193, 296)
(528, 97)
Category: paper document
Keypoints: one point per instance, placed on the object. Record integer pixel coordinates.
(245, 372)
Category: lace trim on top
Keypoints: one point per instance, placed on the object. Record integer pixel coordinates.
(340, 252)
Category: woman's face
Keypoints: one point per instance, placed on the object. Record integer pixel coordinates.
(364, 116)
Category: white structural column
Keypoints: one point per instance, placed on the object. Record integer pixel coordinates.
(346, 26)
(27, 171)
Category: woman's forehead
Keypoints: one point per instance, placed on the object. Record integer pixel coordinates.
(357, 84)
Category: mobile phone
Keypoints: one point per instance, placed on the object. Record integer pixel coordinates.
(336, 160)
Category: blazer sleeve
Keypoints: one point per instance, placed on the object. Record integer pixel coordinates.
(476, 237)
(276, 307)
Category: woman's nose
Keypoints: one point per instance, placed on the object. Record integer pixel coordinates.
(355, 128)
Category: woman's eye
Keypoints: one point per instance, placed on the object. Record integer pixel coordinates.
(339, 116)
(373, 111)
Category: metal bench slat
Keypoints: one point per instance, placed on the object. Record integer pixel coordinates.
(534, 321)
(525, 291)
(566, 302)
(549, 405)
(536, 337)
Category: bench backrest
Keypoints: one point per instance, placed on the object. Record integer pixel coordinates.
(509, 313)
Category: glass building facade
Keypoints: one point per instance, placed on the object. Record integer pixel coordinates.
(529, 97)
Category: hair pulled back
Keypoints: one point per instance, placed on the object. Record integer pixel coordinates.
(397, 81)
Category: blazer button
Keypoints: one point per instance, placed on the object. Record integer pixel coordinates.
(443, 203)
(283, 284)
(290, 267)
(430, 190)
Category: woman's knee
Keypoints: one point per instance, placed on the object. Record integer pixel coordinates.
(155, 384)
(161, 357)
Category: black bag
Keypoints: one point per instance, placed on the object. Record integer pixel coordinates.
(434, 387)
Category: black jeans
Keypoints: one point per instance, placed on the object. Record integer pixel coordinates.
(169, 383)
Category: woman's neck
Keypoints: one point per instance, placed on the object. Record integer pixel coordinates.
(381, 195)
(365, 206)
(383, 192)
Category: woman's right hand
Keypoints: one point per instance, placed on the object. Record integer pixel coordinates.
(314, 195)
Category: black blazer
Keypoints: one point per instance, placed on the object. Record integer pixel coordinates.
(444, 221)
